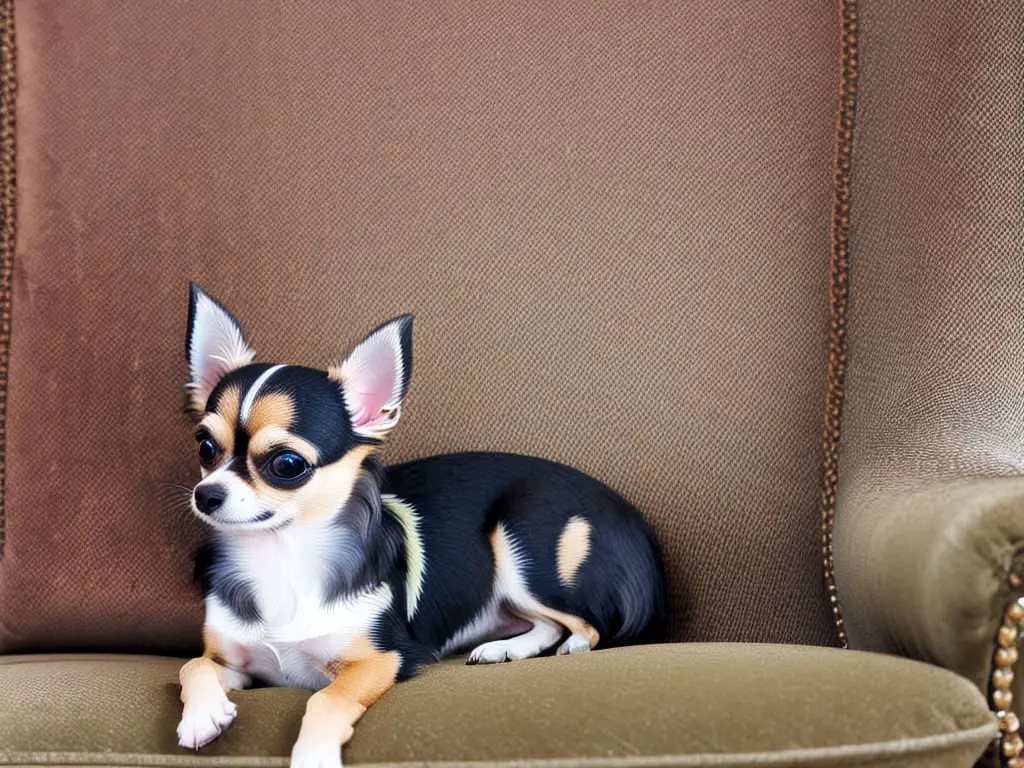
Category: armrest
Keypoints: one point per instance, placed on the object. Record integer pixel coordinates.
(929, 513)
(926, 572)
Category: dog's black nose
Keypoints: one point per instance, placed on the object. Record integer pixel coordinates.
(209, 498)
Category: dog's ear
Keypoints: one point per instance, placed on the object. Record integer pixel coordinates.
(214, 347)
(375, 378)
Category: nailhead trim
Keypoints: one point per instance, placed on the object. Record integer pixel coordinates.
(1010, 744)
(838, 294)
(8, 85)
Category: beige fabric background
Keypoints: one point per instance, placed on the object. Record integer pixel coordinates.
(611, 219)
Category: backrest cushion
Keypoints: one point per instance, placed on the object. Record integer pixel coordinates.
(611, 220)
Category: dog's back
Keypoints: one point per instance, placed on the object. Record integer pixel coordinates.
(504, 536)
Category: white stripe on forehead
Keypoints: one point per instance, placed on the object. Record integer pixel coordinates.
(253, 393)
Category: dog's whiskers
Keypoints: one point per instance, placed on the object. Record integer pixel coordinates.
(174, 498)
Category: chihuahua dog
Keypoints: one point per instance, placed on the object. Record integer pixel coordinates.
(327, 571)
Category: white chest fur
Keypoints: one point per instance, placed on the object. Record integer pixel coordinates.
(298, 635)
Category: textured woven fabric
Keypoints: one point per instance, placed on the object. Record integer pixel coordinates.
(612, 222)
(935, 394)
(937, 567)
(685, 705)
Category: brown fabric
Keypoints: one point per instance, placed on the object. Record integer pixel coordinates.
(612, 221)
(720, 704)
(8, 200)
(935, 392)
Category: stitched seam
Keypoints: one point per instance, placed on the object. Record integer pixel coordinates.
(8, 84)
(838, 295)
(897, 748)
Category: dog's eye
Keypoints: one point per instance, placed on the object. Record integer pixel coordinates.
(288, 466)
(207, 449)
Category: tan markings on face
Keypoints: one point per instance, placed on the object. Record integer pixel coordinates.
(220, 423)
(573, 548)
(325, 492)
(228, 405)
(222, 434)
(361, 676)
(271, 437)
(274, 409)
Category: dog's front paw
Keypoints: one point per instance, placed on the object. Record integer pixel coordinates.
(316, 756)
(202, 724)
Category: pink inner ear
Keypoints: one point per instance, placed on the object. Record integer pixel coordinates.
(371, 381)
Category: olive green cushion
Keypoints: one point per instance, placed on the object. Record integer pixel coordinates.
(725, 705)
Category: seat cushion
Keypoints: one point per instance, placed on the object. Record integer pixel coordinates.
(727, 704)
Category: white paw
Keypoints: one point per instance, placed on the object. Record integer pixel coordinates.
(498, 651)
(574, 644)
(316, 756)
(488, 653)
(202, 724)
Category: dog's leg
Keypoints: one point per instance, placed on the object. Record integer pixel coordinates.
(574, 644)
(207, 710)
(509, 575)
(362, 676)
(582, 636)
(539, 638)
